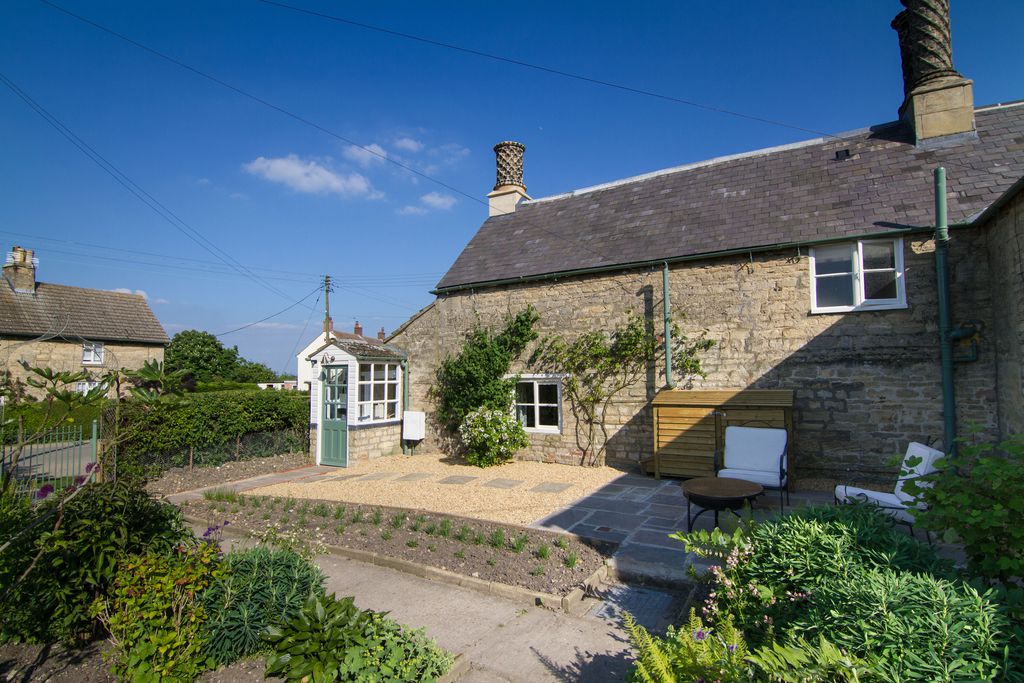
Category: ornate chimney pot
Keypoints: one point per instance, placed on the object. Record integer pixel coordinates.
(509, 189)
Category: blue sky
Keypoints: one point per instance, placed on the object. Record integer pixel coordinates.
(290, 202)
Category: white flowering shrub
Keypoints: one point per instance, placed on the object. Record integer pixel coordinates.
(491, 437)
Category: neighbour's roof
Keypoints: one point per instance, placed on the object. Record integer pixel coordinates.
(795, 193)
(60, 311)
(360, 348)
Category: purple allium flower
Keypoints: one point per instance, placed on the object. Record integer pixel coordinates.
(90, 467)
(44, 491)
(700, 635)
(80, 479)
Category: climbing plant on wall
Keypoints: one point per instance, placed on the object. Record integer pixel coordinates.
(475, 377)
(597, 366)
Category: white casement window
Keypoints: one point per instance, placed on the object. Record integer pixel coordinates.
(377, 400)
(539, 403)
(85, 387)
(858, 276)
(92, 353)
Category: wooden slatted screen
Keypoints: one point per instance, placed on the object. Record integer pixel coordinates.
(689, 426)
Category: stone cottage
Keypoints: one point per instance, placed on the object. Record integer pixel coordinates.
(71, 328)
(812, 265)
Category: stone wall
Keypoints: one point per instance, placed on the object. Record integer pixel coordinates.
(67, 356)
(366, 442)
(1007, 272)
(866, 383)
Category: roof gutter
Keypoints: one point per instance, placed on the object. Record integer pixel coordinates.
(910, 229)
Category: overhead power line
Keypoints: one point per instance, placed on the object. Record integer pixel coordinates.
(127, 183)
(272, 315)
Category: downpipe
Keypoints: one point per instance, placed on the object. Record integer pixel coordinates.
(945, 327)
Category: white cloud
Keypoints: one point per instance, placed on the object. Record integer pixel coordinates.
(161, 301)
(310, 177)
(125, 290)
(436, 200)
(276, 326)
(408, 145)
(411, 211)
(366, 155)
(450, 153)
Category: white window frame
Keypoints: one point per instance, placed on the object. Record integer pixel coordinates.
(86, 387)
(537, 380)
(372, 403)
(857, 280)
(93, 353)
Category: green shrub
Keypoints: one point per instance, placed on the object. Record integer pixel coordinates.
(691, 652)
(154, 616)
(333, 640)
(259, 587)
(321, 510)
(78, 563)
(491, 437)
(497, 539)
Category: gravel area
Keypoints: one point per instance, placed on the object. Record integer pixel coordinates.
(183, 479)
(541, 560)
(482, 496)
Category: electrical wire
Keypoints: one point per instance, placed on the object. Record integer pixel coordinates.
(272, 315)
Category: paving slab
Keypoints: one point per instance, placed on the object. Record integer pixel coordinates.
(550, 487)
(652, 608)
(503, 483)
(599, 533)
(414, 476)
(457, 480)
(663, 498)
(655, 538)
(562, 520)
(607, 504)
(657, 510)
(654, 565)
(376, 476)
(619, 521)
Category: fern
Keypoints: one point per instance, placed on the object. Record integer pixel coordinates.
(652, 664)
(802, 662)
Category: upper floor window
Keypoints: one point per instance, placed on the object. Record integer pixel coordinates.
(378, 392)
(862, 275)
(538, 404)
(92, 353)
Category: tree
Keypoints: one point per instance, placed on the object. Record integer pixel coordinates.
(201, 355)
(251, 371)
(598, 366)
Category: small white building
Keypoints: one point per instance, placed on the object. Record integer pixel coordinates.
(357, 397)
(305, 372)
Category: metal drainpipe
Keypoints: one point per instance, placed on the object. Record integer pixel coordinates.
(670, 380)
(945, 338)
(405, 399)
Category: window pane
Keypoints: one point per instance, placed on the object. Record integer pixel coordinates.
(834, 291)
(378, 411)
(880, 285)
(392, 372)
(879, 255)
(365, 392)
(392, 408)
(548, 416)
(547, 393)
(524, 392)
(364, 411)
(392, 392)
(364, 372)
(525, 414)
(829, 260)
(378, 392)
(378, 372)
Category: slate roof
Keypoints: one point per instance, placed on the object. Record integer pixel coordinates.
(795, 193)
(360, 348)
(77, 313)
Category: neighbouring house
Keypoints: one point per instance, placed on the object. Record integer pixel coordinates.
(284, 385)
(812, 265)
(71, 328)
(356, 396)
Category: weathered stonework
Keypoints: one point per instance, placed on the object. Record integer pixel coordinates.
(1006, 268)
(67, 356)
(366, 442)
(866, 382)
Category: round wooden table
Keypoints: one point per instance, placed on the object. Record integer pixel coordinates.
(717, 494)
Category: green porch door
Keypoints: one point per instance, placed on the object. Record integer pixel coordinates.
(334, 417)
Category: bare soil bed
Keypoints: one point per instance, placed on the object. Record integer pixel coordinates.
(180, 479)
(538, 560)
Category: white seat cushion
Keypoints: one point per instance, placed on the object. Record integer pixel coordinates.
(762, 477)
(754, 448)
(928, 457)
(890, 503)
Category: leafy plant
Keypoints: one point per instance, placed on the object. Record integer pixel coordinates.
(570, 560)
(460, 553)
(562, 543)
(543, 552)
(691, 652)
(537, 571)
(333, 640)
(476, 376)
(259, 587)
(497, 539)
(387, 534)
(518, 544)
(221, 495)
(412, 543)
(321, 510)
(445, 528)
(377, 517)
(463, 534)
(155, 618)
(357, 517)
(397, 521)
(597, 367)
(492, 436)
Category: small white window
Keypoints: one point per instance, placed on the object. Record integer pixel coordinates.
(864, 275)
(377, 400)
(85, 387)
(539, 404)
(92, 353)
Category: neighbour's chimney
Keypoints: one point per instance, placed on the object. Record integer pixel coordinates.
(937, 101)
(381, 336)
(20, 270)
(358, 329)
(509, 189)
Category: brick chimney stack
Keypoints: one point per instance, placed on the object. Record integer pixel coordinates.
(938, 102)
(358, 329)
(20, 270)
(509, 189)
(381, 336)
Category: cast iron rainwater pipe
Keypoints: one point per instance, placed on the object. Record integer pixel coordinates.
(945, 331)
(669, 379)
